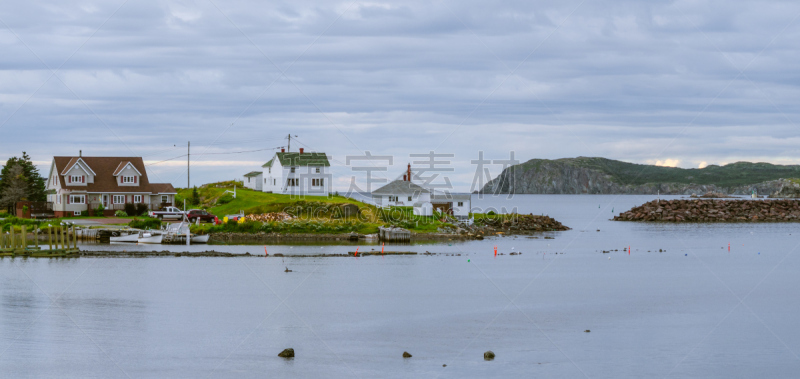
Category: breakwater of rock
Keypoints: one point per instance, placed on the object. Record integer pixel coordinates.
(516, 223)
(714, 211)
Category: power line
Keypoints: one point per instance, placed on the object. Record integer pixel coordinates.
(246, 151)
(179, 156)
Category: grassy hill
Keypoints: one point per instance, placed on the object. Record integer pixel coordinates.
(734, 174)
(316, 213)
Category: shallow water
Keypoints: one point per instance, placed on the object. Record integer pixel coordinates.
(694, 310)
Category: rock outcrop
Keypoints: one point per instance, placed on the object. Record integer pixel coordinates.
(604, 176)
(714, 211)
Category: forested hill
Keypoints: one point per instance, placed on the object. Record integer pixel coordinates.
(608, 176)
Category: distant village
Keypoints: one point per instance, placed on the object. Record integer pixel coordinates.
(77, 185)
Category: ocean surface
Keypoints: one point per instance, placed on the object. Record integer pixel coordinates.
(680, 305)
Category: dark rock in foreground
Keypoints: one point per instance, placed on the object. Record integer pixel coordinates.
(714, 211)
(406, 354)
(488, 356)
(287, 353)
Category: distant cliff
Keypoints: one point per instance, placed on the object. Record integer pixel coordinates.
(584, 175)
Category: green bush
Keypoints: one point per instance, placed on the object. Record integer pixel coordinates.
(121, 213)
(145, 223)
(130, 209)
(141, 209)
(225, 199)
(85, 213)
(99, 211)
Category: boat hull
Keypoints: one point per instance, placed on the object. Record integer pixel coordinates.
(151, 239)
(129, 238)
(200, 239)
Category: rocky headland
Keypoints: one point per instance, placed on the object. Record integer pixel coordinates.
(585, 175)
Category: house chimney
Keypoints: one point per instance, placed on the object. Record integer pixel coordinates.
(404, 177)
(409, 172)
(80, 153)
(283, 150)
(301, 150)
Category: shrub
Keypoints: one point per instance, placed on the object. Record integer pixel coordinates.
(225, 199)
(130, 209)
(121, 213)
(141, 209)
(195, 199)
(491, 213)
(145, 223)
(85, 213)
(99, 211)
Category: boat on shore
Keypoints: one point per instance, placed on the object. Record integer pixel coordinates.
(150, 237)
(200, 238)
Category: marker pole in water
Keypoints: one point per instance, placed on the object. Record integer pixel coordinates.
(265, 252)
(356, 251)
(629, 249)
(729, 247)
(382, 245)
(495, 251)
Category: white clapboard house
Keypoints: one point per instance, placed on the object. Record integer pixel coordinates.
(299, 173)
(405, 193)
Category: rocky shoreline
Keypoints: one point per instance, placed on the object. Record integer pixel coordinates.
(714, 211)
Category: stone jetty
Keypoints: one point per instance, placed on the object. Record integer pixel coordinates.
(714, 211)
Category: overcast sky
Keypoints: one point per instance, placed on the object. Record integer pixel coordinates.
(682, 83)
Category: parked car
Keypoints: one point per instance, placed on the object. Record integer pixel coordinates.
(199, 214)
(168, 213)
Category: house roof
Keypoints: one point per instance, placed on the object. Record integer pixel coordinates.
(252, 174)
(450, 196)
(399, 187)
(162, 188)
(104, 180)
(122, 166)
(297, 159)
(72, 162)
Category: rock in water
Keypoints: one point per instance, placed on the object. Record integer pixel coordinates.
(587, 331)
(488, 356)
(406, 354)
(287, 353)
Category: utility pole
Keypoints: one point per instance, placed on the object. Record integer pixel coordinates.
(188, 154)
(289, 145)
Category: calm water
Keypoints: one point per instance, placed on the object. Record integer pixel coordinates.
(694, 310)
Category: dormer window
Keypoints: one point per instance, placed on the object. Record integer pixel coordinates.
(76, 179)
(129, 179)
(317, 170)
(291, 170)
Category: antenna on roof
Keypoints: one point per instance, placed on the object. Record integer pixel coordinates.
(289, 145)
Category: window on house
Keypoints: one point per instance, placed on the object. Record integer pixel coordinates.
(76, 213)
(409, 198)
(274, 181)
(58, 199)
(293, 182)
(291, 170)
(164, 199)
(248, 179)
(460, 203)
(77, 199)
(317, 170)
(265, 180)
(128, 179)
(137, 198)
(317, 182)
(75, 179)
(119, 199)
(393, 198)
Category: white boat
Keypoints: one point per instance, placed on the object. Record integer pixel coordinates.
(200, 238)
(150, 237)
(133, 237)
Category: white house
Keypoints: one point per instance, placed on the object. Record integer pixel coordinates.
(301, 173)
(253, 180)
(77, 184)
(403, 192)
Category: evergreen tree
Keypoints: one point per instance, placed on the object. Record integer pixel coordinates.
(16, 187)
(35, 190)
(195, 199)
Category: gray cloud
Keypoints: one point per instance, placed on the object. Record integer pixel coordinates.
(631, 80)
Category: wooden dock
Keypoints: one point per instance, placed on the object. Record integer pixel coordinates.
(60, 244)
(394, 234)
